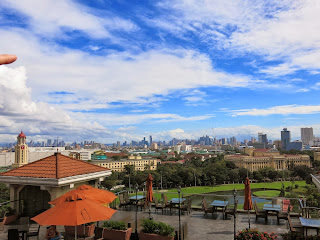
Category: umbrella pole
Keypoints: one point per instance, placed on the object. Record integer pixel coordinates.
(75, 233)
(249, 218)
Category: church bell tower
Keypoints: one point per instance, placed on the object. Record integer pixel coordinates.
(21, 151)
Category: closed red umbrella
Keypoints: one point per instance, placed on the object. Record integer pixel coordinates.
(149, 197)
(247, 198)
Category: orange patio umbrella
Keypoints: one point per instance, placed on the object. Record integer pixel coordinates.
(75, 210)
(247, 197)
(149, 197)
(91, 193)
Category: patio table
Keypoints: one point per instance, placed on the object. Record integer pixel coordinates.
(176, 200)
(309, 223)
(220, 204)
(137, 198)
(23, 229)
(271, 208)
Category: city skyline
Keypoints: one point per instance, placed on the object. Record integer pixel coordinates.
(199, 140)
(114, 71)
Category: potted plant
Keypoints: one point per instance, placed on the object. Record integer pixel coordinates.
(10, 215)
(152, 230)
(116, 230)
(86, 230)
(254, 234)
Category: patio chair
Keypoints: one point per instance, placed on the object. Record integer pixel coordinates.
(98, 233)
(206, 209)
(186, 207)
(283, 214)
(127, 200)
(2, 214)
(13, 234)
(167, 204)
(294, 228)
(303, 209)
(142, 204)
(158, 206)
(231, 210)
(123, 203)
(259, 213)
(33, 233)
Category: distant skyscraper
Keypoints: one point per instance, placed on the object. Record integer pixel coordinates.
(150, 140)
(307, 135)
(285, 138)
(233, 141)
(262, 138)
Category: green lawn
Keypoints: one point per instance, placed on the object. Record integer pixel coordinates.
(267, 193)
(228, 187)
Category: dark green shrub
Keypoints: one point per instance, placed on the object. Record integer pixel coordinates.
(296, 186)
(116, 225)
(153, 227)
(9, 210)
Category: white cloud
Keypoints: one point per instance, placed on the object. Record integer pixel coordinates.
(50, 17)
(277, 30)
(18, 111)
(303, 90)
(39, 119)
(142, 79)
(283, 110)
(113, 119)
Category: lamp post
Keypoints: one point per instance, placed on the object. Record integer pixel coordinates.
(161, 179)
(235, 215)
(136, 220)
(179, 191)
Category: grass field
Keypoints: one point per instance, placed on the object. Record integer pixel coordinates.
(267, 193)
(228, 187)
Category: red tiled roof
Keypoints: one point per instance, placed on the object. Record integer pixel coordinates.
(261, 150)
(47, 168)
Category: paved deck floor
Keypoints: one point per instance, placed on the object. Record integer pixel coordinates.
(198, 227)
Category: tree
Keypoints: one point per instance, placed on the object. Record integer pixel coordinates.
(301, 171)
(129, 169)
(117, 158)
(257, 176)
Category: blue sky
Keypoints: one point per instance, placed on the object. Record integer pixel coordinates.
(120, 70)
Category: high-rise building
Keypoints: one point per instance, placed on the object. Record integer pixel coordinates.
(150, 142)
(307, 136)
(262, 138)
(285, 138)
(233, 141)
